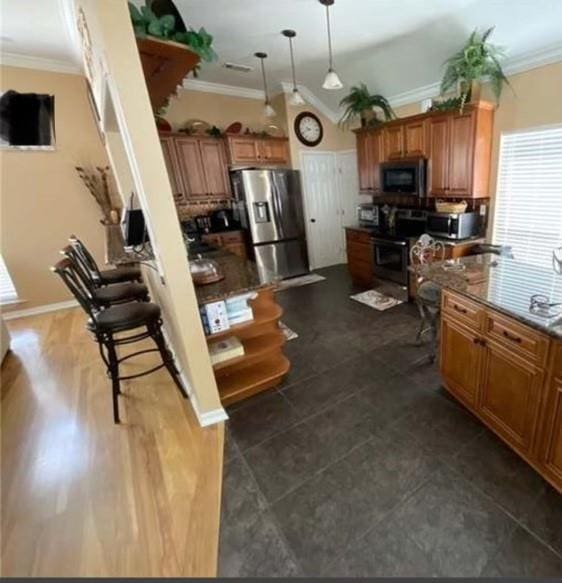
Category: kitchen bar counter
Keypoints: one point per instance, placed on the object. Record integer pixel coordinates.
(503, 284)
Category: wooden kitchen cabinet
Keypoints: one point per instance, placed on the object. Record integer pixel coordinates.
(256, 150)
(369, 150)
(360, 256)
(196, 167)
(509, 375)
(232, 241)
(457, 147)
(393, 142)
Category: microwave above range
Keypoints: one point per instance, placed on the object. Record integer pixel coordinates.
(406, 177)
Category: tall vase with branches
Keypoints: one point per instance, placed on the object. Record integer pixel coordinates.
(477, 60)
(360, 104)
(97, 181)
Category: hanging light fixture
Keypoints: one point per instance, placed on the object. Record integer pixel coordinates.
(332, 81)
(296, 97)
(268, 111)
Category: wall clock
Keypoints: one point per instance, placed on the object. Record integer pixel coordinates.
(309, 129)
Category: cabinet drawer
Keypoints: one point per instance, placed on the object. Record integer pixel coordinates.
(463, 310)
(359, 236)
(232, 237)
(517, 337)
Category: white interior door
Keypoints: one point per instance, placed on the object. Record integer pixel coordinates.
(348, 185)
(322, 208)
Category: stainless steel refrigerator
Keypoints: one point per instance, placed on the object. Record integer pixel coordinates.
(269, 207)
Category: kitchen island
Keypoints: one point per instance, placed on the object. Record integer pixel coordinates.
(263, 364)
(501, 354)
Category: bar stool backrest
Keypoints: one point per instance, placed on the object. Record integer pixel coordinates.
(426, 250)
(85, 257)
(69, 275)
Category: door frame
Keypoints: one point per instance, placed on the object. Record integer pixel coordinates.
(334, 154)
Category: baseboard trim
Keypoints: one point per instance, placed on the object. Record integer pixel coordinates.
(39, 310)
(205, 418)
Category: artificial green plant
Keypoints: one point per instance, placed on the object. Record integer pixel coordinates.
(359, 103)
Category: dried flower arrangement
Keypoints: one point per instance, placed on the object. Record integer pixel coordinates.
(97, 182)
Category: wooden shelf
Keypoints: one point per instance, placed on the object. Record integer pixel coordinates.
(253, 379)
(255, 349)
(262, 315)
(165, 65)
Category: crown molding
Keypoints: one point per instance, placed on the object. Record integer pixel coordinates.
(27, 62)
(222, 89)
(312, 99)
(418, 94)
(533, 59)
(67, 10)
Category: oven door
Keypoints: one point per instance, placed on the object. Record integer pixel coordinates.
(391, 260)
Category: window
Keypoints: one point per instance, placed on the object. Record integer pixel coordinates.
(7, 290)
(528, 211)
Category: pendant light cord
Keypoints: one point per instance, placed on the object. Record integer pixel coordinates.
(293, 64)
(264, 81)
(329, 37)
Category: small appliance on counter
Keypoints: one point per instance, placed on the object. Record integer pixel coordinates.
(368, 215)
(454, 225)
(203, 223)
(223, 220)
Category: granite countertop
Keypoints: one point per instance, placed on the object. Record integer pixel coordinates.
(240, 276)
(447, 242)
(504, 284)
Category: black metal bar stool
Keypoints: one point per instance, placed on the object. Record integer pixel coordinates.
(105, 276)
(106, 323)
(108, 295)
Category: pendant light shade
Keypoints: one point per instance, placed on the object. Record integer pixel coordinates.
(268, 111)
(296, 97)
(332, 81)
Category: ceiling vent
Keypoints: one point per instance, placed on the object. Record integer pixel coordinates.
(237, 67)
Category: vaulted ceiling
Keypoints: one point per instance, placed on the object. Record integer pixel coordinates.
(394, 46)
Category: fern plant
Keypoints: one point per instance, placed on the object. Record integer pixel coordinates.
(477, 60)
(360, 103)
(145, 22)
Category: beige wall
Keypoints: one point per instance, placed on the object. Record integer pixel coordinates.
(43, 199)
(115, 46)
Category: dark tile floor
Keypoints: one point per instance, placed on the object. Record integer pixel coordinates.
(361, 465)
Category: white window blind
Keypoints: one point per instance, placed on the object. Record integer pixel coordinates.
(528, 211)
(7, 290)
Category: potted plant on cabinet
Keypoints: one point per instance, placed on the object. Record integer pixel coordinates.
(466, 69)
(360, 104)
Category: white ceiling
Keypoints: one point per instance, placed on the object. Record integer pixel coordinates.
(394, 46)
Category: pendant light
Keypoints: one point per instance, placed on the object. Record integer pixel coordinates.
(332, 81)
(296, 97)
(268, 111)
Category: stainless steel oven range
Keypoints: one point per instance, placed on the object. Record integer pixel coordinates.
(391, 258)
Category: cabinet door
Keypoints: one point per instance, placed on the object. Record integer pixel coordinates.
(170, 158)
(461, 144)
(393, 139)
(191, 167)
(275, 151)
(243, 150)
(438, 146)
(414, 139)
(510, 396)
(375, 152)
(461, 356)
(214, 167)
(364, 161)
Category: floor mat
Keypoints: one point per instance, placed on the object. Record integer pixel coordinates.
(377, 300)
(289, 334)
(300, 281)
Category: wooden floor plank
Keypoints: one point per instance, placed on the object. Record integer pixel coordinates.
(83, 497)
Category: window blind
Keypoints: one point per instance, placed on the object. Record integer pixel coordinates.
(528, 211)
(7, 290)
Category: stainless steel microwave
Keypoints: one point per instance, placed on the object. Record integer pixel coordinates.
(454, 225)
(404, 177)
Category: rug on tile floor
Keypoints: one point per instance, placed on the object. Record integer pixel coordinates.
(375, 299)
(289, 334)
(299, 281)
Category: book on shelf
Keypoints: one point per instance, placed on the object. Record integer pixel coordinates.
(226, 349)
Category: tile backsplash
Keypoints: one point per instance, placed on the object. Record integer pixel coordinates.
(201, 207)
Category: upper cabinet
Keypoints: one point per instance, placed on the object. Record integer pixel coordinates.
(196, 166)
(457, 147)
(257, 150)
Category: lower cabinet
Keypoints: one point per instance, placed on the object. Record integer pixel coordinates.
(506, 379)
(360, 256)
(232, 241)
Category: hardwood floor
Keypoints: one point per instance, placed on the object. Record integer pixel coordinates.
(83, 497)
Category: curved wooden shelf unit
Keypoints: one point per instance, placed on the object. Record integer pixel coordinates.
(253, 379)
(255, 349)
